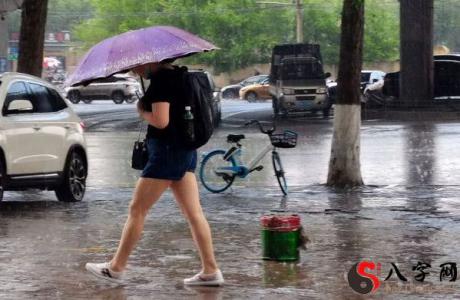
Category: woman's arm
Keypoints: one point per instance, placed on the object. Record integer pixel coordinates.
(158, 117)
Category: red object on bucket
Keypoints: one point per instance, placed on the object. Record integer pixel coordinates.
(280, 223)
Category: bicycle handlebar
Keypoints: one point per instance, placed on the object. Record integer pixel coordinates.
(268, 131)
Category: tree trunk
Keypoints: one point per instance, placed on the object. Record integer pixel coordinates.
(32, 36)
(344, 164)
(416, 88)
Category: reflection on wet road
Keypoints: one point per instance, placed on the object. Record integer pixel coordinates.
(408, 213)
(391, 155)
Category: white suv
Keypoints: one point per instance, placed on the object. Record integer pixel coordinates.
(118, 88)
(41, 139)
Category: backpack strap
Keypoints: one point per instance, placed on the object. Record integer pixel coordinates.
(188, 101)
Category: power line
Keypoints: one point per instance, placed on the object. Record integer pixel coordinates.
(262, 7)
(317, 7)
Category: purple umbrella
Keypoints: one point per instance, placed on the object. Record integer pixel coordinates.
(133, 48)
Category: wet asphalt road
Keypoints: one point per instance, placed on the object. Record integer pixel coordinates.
(409, 212)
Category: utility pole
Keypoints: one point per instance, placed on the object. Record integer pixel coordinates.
(299, 20)
(6, 6)
(299, 15)
(3, 44)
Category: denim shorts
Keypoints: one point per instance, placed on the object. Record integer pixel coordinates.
(168, 161)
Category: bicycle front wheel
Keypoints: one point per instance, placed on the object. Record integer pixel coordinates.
(212, 172)
(279, 172)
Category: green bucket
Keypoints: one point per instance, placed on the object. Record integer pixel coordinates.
(280, 237)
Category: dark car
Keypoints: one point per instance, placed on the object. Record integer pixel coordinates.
(446, 78)
(233, 90)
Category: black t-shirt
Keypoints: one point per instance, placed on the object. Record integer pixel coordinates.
(166, 85)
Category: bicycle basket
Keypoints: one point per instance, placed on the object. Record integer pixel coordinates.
(288, 139)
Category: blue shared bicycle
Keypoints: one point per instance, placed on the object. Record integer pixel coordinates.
(219, 168)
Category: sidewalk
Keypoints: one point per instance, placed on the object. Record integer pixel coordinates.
(384, 224)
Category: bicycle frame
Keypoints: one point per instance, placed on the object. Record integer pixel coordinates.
(261, 155)
(240, 169)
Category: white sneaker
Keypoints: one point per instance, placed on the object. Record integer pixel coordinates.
(216, 279)
(103, 271)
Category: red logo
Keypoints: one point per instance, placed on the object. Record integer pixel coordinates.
(360, 280)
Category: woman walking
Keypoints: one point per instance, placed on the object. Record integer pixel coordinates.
(169, 166)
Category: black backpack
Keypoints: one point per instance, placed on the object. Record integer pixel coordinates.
(198, 94)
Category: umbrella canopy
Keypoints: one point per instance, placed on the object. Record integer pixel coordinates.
(133, 48)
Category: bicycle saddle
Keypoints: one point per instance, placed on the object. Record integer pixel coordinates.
(235, 138)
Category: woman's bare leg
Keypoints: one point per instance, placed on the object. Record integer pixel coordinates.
(147, 192)
(187, 196)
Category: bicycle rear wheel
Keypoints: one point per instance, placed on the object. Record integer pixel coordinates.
(213, 180)
(279, 172)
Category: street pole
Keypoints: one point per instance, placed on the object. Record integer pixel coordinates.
(3, 44)
(299, 15)
(6, 6)
(299, 20)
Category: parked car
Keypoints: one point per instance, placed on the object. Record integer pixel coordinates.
(41, 139)
(446, 78)
(118, 88)
(297, 80)
(256, 91)
(232, 91)
(369, 77)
